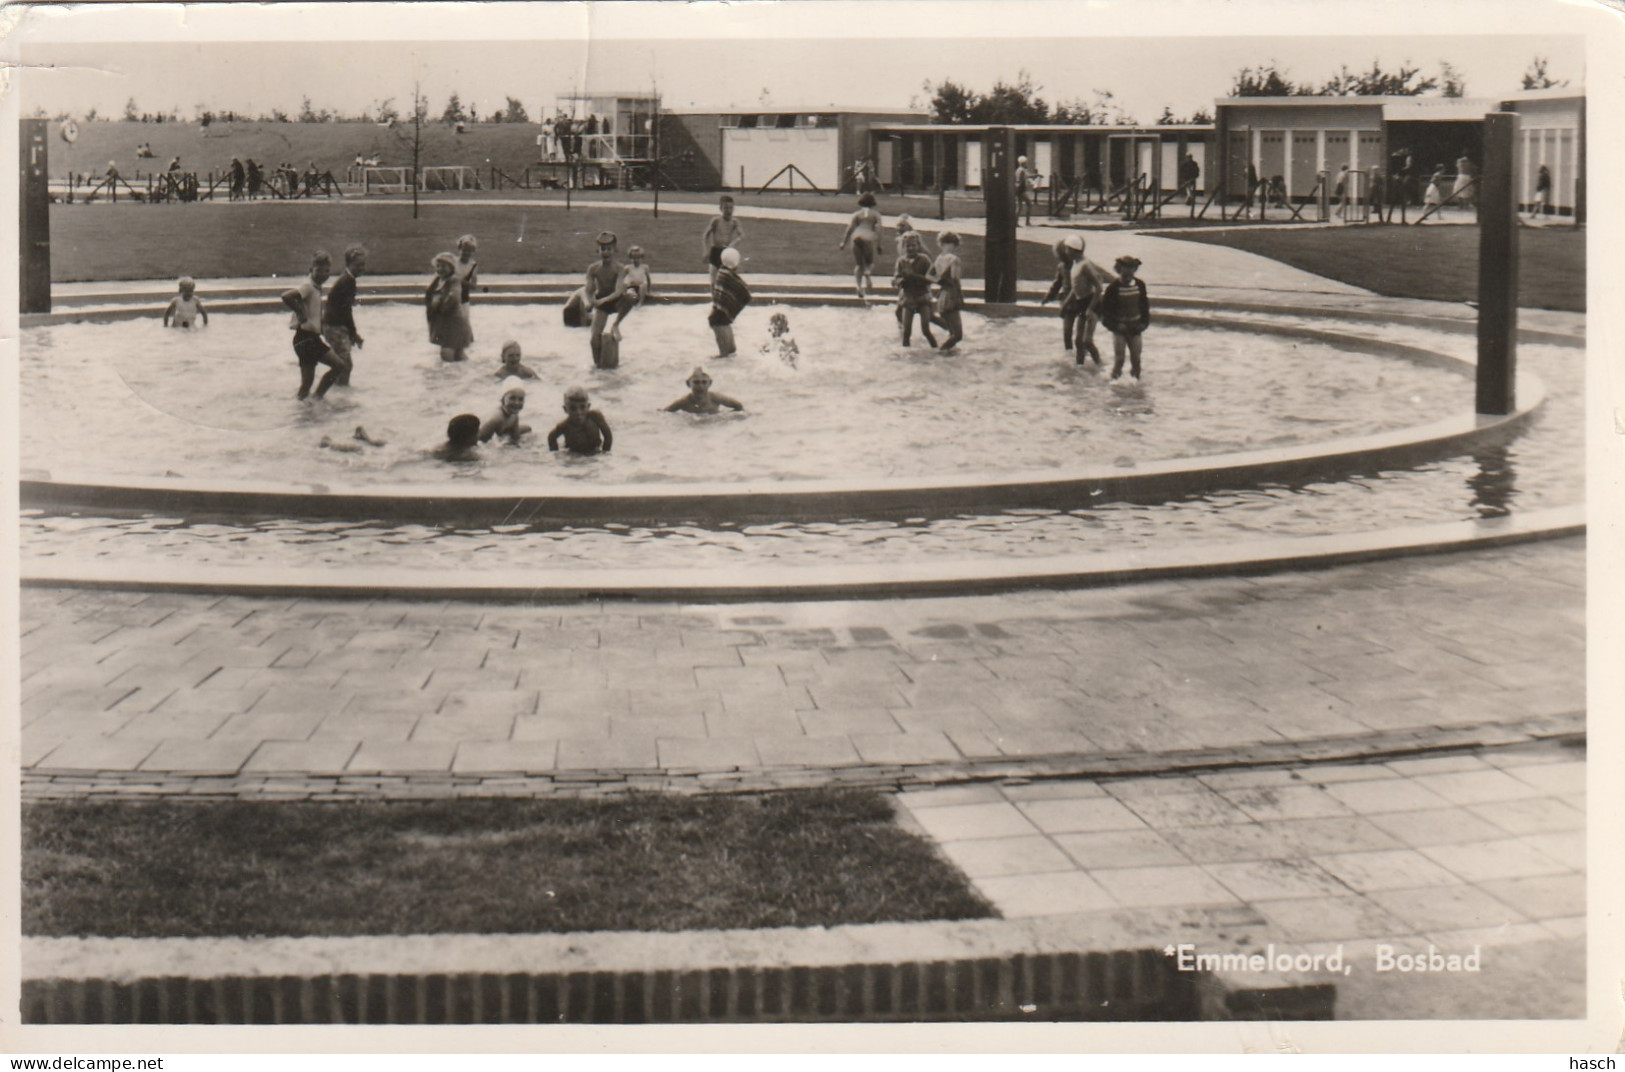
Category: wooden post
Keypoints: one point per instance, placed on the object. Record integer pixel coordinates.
(1498, 268)
(35, 296)
(999, 195)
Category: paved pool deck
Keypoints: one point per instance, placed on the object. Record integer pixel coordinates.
(128, 686)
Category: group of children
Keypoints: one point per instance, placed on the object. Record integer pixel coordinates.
(1090, 295)
(915, 275)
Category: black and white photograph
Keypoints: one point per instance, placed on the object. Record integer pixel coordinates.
(1052, 521)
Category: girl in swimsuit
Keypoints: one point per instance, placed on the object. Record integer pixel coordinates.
(864, 233)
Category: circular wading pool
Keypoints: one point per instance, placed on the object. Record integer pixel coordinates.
(863, 411)
(217, 404)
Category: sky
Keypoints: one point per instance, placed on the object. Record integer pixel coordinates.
(782, 56)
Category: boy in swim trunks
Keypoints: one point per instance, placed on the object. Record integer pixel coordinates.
(603, 279)
(723, 232)
(864, 233)
(700, 398)
(584, 430)
(338, 312)
(305, 302)
(635, 285)
(506, 419)
(512, 364)
(185, 308)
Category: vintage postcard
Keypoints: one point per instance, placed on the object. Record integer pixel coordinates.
(1062, 525)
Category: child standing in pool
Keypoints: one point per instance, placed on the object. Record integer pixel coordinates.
(729, 295)
(603, 280)
(1126, 311)
(945, 273)
(864, 234)
(305, 302)
(506, 419)
(448, 329)
(634, 286)
(700, 398)
(913, 280)
(584, 429)
(185, 308)
(723, 232)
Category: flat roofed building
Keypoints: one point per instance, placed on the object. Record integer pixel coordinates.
(773, 147)
(1103, 157)
(1299, 138)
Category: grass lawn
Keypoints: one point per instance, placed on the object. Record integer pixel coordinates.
(654, 862)
(1439, 263)
(212, 241)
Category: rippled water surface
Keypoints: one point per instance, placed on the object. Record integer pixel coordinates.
(1540, 467)
(218, 402)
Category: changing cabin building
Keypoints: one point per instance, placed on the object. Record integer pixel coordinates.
(1300, 138)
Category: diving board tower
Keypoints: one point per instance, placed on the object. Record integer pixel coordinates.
(622, 129)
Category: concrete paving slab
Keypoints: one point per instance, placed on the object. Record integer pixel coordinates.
(989, 857)
(1024, 896)
(1176, 885)
(1109, 849)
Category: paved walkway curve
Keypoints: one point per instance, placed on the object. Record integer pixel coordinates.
(115, 683)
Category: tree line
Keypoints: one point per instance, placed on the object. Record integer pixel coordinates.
(1020, 101)
(383, 112)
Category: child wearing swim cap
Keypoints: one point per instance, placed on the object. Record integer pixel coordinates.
(512, 364)
(185, 308)
(700, 398)
(506, 419)
(729, 295)
(583, 429)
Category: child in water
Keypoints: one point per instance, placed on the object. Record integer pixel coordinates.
(185, 307)
(353, 446)
(1126, 312)
(700, 398)
(462, 433)
(913, 280)
(584, 429)
(950, 294)
(506, 419)
(729, 295)
(780, 339)
(634, 286)
(511, 363)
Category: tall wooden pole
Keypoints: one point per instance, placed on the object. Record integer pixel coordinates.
(36, 218)
(1498, 268)
(999, 197)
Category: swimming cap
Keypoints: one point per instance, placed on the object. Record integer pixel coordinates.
(512, 385)
(729, 258)
(1075, 243)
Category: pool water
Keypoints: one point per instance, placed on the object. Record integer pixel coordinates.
(1538, 468)
(132, 399)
